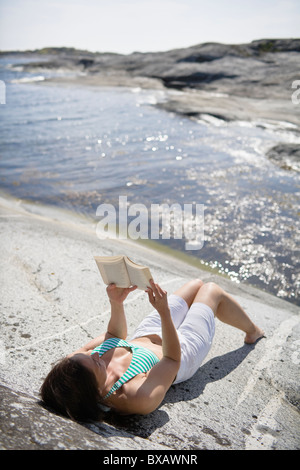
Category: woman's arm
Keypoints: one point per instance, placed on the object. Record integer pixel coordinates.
(170, 342)
(146, 393)
(117, 325)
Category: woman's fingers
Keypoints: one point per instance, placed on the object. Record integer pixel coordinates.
(132, 288)
(157, 290)
(150, 295)
(158, 298)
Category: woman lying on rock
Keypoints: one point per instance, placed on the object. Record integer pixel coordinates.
(167, 348)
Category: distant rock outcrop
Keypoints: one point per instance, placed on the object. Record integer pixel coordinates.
(261, 69)
(245, 82)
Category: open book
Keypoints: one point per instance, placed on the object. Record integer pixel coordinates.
(123, 272)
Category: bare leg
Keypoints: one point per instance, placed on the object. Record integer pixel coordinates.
(189, 290)
(227, 309)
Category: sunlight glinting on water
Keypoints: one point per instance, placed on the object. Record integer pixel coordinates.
(79, 147)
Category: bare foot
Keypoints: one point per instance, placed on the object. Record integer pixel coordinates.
(252, 337)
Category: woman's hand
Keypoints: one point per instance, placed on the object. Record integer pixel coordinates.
(158, 298)
(118, 294)
(170, 342)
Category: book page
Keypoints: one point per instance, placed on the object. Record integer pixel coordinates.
(139, 276)
(113, 270)
(129, 261)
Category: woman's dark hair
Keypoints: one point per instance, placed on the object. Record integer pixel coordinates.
(71, 389)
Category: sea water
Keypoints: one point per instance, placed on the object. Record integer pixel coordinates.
(79, 147)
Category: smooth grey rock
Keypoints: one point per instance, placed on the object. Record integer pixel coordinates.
(286, 156)
(53, 301)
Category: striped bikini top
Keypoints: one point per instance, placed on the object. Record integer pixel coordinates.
(142, 360)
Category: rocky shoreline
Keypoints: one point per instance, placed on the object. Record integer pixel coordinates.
(241, 82)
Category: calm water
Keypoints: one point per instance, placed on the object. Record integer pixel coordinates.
(78, 147)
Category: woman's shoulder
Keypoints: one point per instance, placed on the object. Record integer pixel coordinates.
(130, 398)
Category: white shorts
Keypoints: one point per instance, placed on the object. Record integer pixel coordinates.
(195, 328)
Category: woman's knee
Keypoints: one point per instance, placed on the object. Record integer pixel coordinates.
(189, 290)
(212, 288)
(210, 294)
(197, 283)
